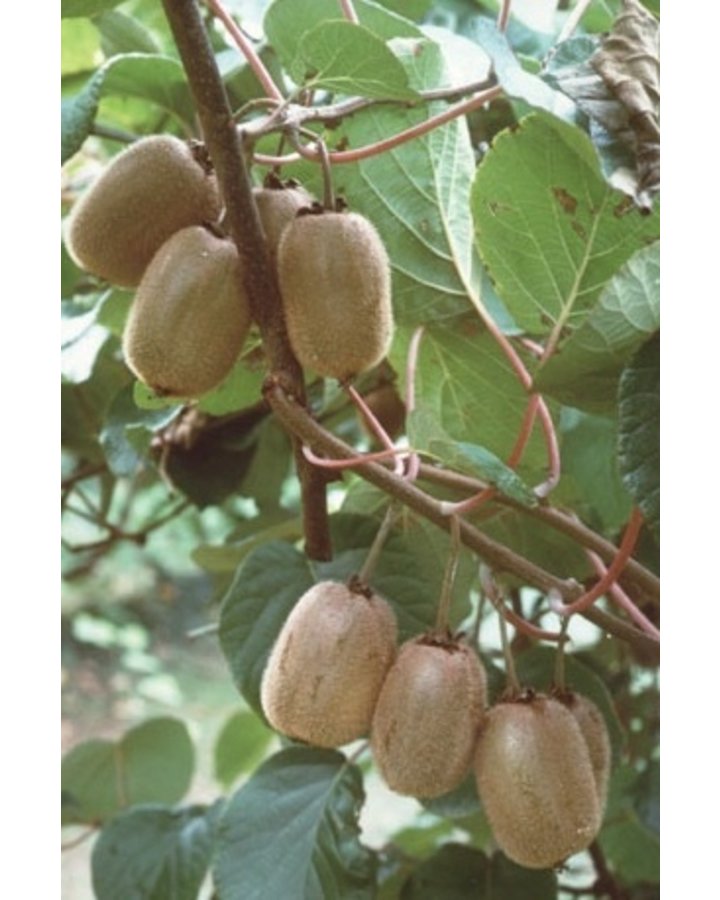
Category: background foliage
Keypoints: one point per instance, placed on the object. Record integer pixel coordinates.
(510, 209)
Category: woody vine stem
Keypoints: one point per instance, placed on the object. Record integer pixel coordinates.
(285, 391)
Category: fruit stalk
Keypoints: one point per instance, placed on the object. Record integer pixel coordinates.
(224, 147)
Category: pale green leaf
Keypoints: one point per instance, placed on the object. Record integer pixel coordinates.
(152, 763)
(286, 21)
(587, 371)
(549, 228)
(349, 59)
(241, 745)
(75, 8)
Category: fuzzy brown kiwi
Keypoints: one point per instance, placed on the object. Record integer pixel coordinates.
(334, 276)
(593, 728)
(328, 664)
(277, 207)
(427, 717)
(147, 193)
(536, 782)
(190, 316)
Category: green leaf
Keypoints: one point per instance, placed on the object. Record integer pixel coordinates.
(587, 372)
(128, 432)
(425, 220)
(124, 34)
(266, 587)
(82, 341)
(74, 8)
(591, 480)
(152, 763)
(536, 668)
(241, 388)
(349, 59)
(464, 378)
(647, 797)
(549, 228)
(287, 21)
(292, 832)
(458, 872)
(241, 745)
(277, 525)
(516, 82)
(481, 463)
(639, 424)
(631, 851)
(147, 76)
(154, 852)
(510, 881)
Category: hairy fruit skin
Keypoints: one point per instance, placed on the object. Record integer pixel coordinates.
(277, 207)
(190, 316)
(536, 782)
(592, 726)
(148, 192)
(427, 717)
(334, 276)
(328, 664)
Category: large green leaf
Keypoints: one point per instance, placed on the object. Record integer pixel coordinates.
(128, 431)
(350, 59)
(587, 372)
(124, 34)
(74, 8)
(292, 832)
(464, 378)
(459, 872)
(152, 763)
(241, 745)
(549, 228)
(639, 422)
(424, 220)
(147, 76)
(287, 21)
(154, 852)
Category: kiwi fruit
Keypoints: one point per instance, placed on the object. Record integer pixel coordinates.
(593, 728)
(190, 316)
(334, 276)
(277, 207)
(327, 666)
(427, 716)
(536, 782)
(147, 193)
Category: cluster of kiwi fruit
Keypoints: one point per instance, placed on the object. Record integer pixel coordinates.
(151, 222)
(541, 762)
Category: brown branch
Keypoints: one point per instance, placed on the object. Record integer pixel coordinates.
(634, 572)
(500, 558)
(224, 146)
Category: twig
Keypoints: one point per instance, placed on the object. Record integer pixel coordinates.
(364, 576)
(626, 548)
(247, 50)
(573, 20)
(349, 11)
(224, 147)
(634, 572)
(296, 418)
(349, 156)
(443, 611)
(504, 15)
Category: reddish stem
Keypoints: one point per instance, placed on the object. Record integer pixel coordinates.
(504, 15)
(247, 50)
(350, 156)
(611, 575)
(622, 599)
(553, 450)
(352, 462)
(413, 466)
(533, 346)
(349, 11)
(374, 424)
